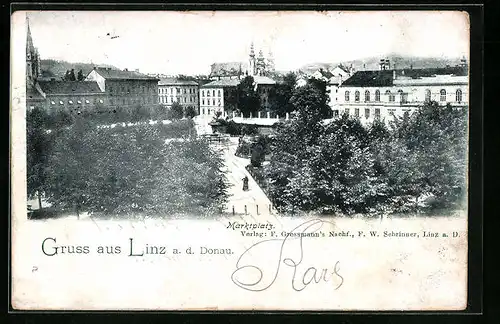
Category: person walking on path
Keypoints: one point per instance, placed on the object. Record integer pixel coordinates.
(245, 183)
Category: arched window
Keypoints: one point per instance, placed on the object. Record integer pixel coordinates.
(391, 96)
(377, 95)
(442, 95)
(347, 96)
(356, 96)
(427, 95)
(458, 95)
(367, 95)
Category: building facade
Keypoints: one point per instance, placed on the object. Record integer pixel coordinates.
(184, 92)
(125, 88)
(257, 65)
(55, 95)
(218, 96)
(386, 93)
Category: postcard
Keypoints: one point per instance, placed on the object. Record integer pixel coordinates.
(239, 160)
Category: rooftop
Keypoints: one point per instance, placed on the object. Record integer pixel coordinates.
(69, 87)
(384, 78)
(222, 83)
(228, 68)
(113, 74)
(176, 81)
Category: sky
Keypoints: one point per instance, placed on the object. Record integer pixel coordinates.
(189, 42)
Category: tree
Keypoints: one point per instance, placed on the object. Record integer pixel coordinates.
(258, 152)
(70, 166)
(191, 112)
(176, 111)
(80, 76)
(248, 99)
(38, 150)
(281, 93)
(71, 75)
(131, 171)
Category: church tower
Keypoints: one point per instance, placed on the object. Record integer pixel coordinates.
(251, 65)
(32, 60)
(270, 62)
(261, 64)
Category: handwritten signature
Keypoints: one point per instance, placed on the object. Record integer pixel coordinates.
(289, 256)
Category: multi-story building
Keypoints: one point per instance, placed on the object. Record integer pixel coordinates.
(218, 96)
(56, 95)
(385, 93)
(126, 88)
(184, 92)
(256, 65)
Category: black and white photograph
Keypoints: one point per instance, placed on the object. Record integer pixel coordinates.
(240, 160)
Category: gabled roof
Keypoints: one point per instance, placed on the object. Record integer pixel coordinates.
(258, 79)
(112, 74)
(384, 78)
(222, 83)
(175, 81)
(69, 87)
(33, 94)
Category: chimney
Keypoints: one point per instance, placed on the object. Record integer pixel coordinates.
(125, 69)
(394, 74)
(388, 64)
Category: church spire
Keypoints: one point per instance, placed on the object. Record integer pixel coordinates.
(29, 39)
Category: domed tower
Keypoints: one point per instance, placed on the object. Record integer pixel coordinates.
(261, 64)
(270, 62)
(251, 65)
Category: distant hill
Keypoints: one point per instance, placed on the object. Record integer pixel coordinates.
(372, 63)
(58, 68)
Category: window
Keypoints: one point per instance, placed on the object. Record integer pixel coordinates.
(367, 113)
(367, 96)
(203, 101)
(377, 113)
(347, 96)
(184, 91)
(87, 102)
(442, 95)
(427, 95)
(458, 95)
(356, 112)
(70, 102)
(203, 93)
(392, 97)
(110, 89)
(52, 102)
(356, 96)
(208, 93)
(79, 102)
(61, 103)
(213, 102)
(213, 92)
(219, 102)
(219, 93)
(377, 95)
(346, 111)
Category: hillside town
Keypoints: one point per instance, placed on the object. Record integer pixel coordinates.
(242, 109)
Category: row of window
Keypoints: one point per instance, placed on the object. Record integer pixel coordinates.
(208, 102)
(171, 99)
(124, 89)
(77, 102)
(392, 96)
(367, 112)
(219, 93)
(129, 101)
(178, 90)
